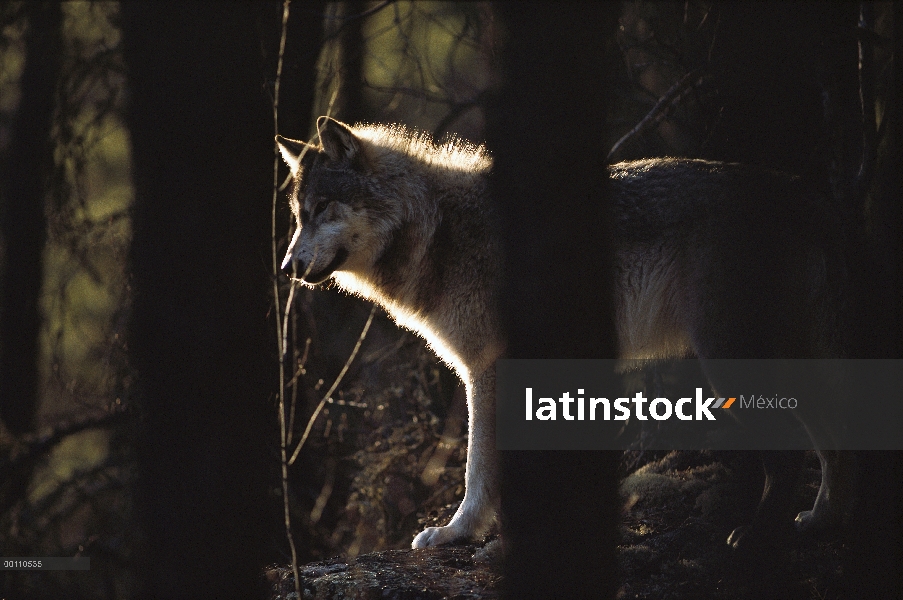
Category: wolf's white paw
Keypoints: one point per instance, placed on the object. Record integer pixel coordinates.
(810, 521)
(436, 536)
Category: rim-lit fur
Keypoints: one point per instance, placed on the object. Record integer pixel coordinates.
(713, 260)
(411, 219)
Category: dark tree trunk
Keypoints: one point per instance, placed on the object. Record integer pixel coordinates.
(299, 73)
(341, 63)
(23, 228)
(772, 61)
(875, 564)
(546, 133)
(776, 60)
(202, 133)
(351, 77)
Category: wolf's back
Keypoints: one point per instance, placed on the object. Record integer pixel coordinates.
(723, 260)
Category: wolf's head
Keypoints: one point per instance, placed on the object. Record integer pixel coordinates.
(342, 218)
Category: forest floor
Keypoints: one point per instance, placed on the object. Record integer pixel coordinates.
(679, 508)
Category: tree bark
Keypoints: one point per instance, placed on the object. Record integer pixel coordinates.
(877, 522)
(546, 133)
(23, 225)
(202, 133)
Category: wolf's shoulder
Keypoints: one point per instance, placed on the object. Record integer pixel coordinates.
(450, 152)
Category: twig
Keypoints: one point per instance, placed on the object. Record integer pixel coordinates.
(421, 94)
(360, 15)
(671, 98)
(333, 387)
(285, 319)
(294, 382)
(36, 446)
(867, 103)
(456, 111)
(280, 341)
(298, 372)
(351, 18)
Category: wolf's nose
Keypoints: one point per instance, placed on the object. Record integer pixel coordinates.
(289, 265)
(286, 266)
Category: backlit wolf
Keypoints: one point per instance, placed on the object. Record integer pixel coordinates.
(713, 260)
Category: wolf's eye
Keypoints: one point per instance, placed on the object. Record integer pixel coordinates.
(320, 207)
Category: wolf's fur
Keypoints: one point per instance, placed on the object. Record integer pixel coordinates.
(713, 260)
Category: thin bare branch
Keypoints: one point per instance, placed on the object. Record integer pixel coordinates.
(351, 18)
(867, 103)
(38, 445)
(456, 111)
(280, 335)
(408, 91)
(362, 14)
(328, 396)
(671, 98)
(294, 381)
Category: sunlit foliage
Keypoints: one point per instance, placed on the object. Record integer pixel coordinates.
(85, 287)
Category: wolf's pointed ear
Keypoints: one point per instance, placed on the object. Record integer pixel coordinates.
(339, 142)
(292, 152)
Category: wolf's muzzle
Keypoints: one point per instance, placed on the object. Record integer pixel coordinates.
(292, 266)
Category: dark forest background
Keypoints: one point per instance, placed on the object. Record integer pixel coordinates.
(155, 381)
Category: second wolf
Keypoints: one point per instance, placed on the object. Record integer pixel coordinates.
(712, 260)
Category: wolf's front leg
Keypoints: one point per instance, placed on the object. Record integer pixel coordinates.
(481, 476)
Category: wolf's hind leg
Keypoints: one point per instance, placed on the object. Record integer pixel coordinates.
(824, 424)
(834, 494)
(771, 522)
(478, 509)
